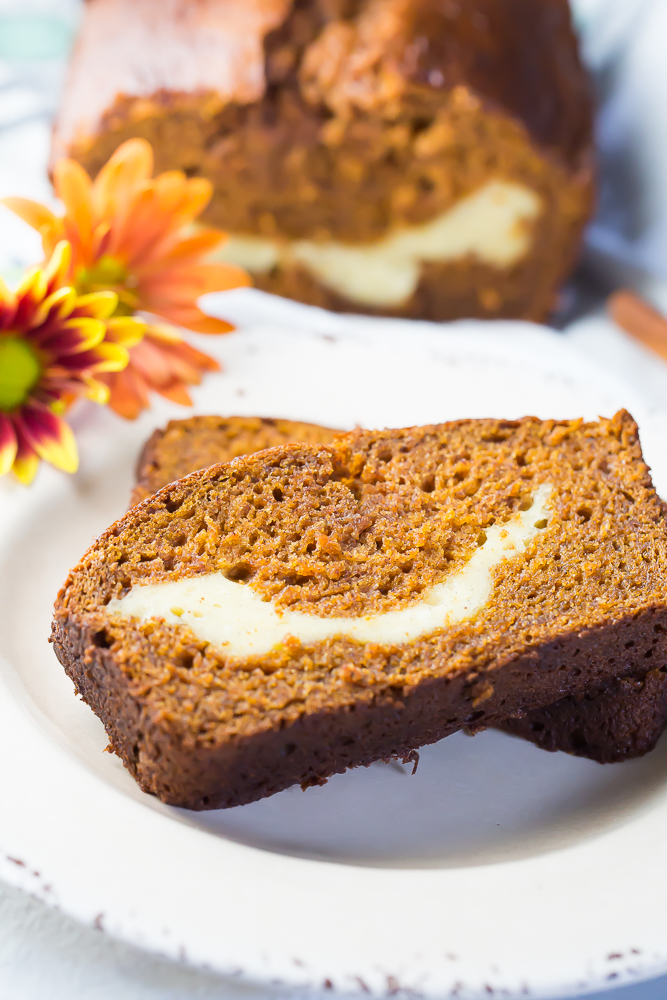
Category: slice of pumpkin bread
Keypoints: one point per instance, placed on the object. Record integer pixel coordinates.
(293, 613)
(184, 446)
(623, 720)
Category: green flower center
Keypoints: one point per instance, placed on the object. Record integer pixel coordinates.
(19, 371)
(108, 274)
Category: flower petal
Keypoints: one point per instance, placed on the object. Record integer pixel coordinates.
(182, 197)
(97, 391)
(185, 284)
(177, 393)
(40, 218)
(73, 187)
(49, 435)
(164, 207)
(187, 251)
(92, 331)
(55, 306)
(117, 189)
(26, 462)
(57, 268)
(162, 362)
(29, 296)
(81, 363)
(55, 392)
(151, 362)
(183, 372)
(121, 177)
(125, 330)
(113, 357)
(101, 236)
(98, 305)
(163, 332)
(167, 364)
(147, 224)
(6, 295)
(32, 212)
(192, 318)
(184, 352)
(67, 349)
(174, 294)
(128, 393)
(37, 284)
(7, 307)
(198, 321)
(8, 444)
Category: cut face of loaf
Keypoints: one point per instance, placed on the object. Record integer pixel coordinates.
(290, 614)
(623, 720)
(354, 166)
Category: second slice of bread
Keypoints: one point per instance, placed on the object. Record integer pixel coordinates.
(624, 719)
(184, 446)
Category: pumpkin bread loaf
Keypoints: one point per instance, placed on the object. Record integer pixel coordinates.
(423, 158)
(282, 617)
(623, 720)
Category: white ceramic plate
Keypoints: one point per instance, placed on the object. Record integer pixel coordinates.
(496, 870)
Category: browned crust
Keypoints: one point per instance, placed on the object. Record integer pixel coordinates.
(315, 746)
(623, 720)
(338, 58)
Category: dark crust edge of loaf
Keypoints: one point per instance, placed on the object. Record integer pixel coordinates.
(623, 721)
(147, 454)
(317, 746)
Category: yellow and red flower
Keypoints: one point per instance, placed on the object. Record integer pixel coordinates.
(133, 234)
(54, 348)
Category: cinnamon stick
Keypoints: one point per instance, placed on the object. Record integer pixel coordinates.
(640, 320)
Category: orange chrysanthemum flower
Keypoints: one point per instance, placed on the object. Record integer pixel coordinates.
(163, 362)
(132, 234)
(53, 348)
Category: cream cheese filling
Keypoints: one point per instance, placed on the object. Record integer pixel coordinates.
(237, 619)
(491, 224)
